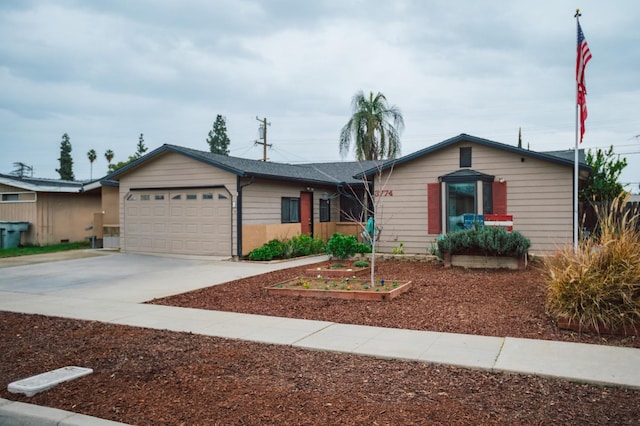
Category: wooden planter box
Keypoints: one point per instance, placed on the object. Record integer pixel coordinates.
(371, 294)
(482, 261)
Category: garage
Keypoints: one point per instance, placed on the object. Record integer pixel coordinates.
(196, 221)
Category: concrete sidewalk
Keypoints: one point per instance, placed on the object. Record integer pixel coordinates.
(572, 361)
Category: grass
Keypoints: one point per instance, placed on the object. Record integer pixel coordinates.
(599, 284)
(30, 249)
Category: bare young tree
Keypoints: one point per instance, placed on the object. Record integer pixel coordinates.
(370, 201)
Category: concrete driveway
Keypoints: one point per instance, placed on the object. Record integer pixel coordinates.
(126, 277)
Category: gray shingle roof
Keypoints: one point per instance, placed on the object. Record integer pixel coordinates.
(318, 173)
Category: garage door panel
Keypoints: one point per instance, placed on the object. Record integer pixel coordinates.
(187, 222)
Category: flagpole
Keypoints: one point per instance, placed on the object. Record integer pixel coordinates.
(575, 169)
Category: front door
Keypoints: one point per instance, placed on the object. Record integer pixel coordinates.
(306, 213)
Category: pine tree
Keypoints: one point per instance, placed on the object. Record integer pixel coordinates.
(66, 162)
(141, 149)
(218, 140)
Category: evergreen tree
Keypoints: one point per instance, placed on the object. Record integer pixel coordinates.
(66, 162)
(520, 137)
(141, 149)
(218, 140)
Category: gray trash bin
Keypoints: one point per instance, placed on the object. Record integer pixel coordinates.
(10, 233)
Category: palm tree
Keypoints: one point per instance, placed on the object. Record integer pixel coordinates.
(375, 127)
(108, 155)
(91, 155)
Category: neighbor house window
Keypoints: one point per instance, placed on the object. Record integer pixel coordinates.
(290, 210)
(192, 196)
(144, 197)
(207, 196)
(325, 211)
(159, 197)
(10, 197)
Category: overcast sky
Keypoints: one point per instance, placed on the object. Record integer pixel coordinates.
(106, 71)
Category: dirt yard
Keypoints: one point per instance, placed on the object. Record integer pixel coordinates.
(151, 377)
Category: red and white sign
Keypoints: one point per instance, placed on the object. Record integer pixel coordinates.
(501, 220)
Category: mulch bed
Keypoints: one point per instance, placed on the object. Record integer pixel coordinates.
(152, 377)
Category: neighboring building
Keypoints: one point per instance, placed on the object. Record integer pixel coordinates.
(57, 210)
(426, 193)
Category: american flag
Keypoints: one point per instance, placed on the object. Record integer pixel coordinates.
(584, 56)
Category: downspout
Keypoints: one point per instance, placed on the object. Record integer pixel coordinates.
(239, 213)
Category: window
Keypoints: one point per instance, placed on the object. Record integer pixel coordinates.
(192, 196)
(461, 199)
(207, 196)
(325, 211)
(10, 197)
(177, 197)
(159, 197)
(144, 197)
(465, 156)
(290, 210)
(487, 197)
(222, 197)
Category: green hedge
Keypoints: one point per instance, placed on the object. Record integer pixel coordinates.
(487, 240)
(301, 245)
(343, 246)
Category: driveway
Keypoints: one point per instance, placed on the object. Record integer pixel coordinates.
(125, 277)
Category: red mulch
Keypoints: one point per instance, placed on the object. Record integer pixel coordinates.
(152, 377)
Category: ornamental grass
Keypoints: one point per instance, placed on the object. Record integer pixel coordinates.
(598, 285)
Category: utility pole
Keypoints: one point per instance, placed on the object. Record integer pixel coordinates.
(263, 133)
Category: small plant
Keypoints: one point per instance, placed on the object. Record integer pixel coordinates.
(399, 249)
(361, 264)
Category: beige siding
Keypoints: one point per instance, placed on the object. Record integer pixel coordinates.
(173, 170)
(539, 196)
(64, 217)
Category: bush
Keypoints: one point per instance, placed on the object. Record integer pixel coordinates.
(487, 240)
(304, 245)
(301, 245)
(343, 246)
(599, 284)
(274, 249)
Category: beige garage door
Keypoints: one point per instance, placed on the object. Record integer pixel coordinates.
(181, 221)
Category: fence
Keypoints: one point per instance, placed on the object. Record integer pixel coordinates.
(588, 212)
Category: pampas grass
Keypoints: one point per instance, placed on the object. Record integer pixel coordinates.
(599, 284)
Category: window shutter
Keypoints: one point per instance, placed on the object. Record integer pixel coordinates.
(433, 208)
(499, 197)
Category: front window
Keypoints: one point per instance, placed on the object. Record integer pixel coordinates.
(461, 200)
(325, 213)
(290, 210)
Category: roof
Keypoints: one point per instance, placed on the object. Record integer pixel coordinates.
(316, 173)
(46, 185)
(558, 157)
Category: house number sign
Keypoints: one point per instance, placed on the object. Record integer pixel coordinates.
(383, 193)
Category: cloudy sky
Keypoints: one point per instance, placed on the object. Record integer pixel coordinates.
(106, 71)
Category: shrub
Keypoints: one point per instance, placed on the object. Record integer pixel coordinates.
(599, 284)
(304, 245)
(487, 240)
(361, 264)
(343, 246)
(274, 249)
(301, 245)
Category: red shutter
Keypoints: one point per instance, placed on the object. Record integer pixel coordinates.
(433, 208)
(499, 197)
